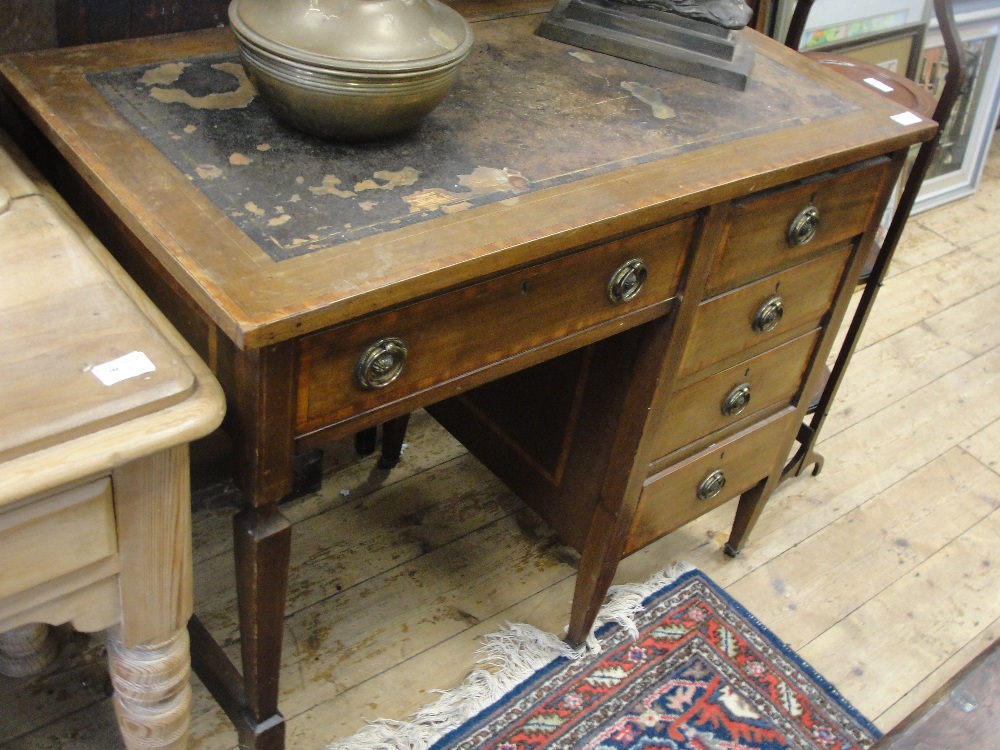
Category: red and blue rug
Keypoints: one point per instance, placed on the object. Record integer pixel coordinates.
(684, 668)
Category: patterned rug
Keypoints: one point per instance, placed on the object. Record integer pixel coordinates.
(676, 665)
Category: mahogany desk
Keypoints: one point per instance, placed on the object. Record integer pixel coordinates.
(95, 508)
(502, 244)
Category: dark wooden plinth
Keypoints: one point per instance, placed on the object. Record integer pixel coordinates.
(964, 714)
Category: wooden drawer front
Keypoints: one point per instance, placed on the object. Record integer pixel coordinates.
(757, 241)
(670, 498)
(459, 332)
(713, 403)
(724, 325)
(44, 540)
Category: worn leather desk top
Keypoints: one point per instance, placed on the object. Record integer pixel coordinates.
(525, 115)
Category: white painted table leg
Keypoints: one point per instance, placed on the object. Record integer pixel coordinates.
(152, 686)
(26, 650)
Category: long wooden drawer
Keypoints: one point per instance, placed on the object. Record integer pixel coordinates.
(740, 320)
(675, 496)
(733, 395)
(444, 337)
(56, 535)
(760, 239)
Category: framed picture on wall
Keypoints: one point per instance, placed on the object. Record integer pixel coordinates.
(851, 21)
(958, 165)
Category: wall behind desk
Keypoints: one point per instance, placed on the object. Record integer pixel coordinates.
(40, 24)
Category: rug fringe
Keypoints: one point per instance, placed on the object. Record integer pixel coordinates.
(626, 599)
(507, 658)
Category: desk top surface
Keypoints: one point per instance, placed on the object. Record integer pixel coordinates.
(540, 147)
(77, 355)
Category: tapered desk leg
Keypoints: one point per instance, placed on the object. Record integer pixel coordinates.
(650, 382)
(365, 441)
(628, 461)
(597, 570)
(393, 435)
(751, 505)
(259, 387)
(262, 548)
(262, 544)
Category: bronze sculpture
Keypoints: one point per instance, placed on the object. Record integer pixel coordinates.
(729, 14)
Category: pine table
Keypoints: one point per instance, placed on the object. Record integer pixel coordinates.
(100, 400)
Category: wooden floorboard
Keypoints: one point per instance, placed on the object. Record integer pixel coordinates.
(883, 571)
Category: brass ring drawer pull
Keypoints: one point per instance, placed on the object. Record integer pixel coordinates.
(769, 315)
(803, 227)
(381, 363)
(736, 401)
(627, 281)
(712, 485)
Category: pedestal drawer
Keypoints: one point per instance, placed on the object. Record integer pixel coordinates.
(751, 317)
(353, 368)
(735, 394)
(778, 229)
(675, 496)
(46, 539)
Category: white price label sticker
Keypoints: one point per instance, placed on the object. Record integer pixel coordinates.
(130, 365)
(907, 118)
(875, 83)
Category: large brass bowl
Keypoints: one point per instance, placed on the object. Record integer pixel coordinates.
(350, 70)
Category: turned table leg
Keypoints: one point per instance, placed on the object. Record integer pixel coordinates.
(152, 696)
(26, 650)
(149, 654)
